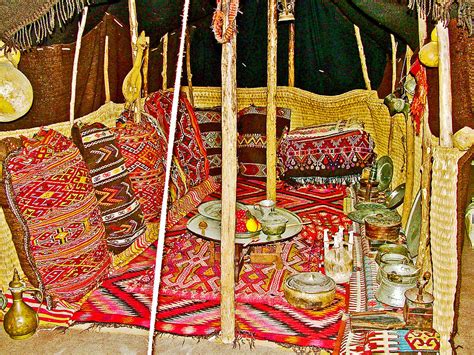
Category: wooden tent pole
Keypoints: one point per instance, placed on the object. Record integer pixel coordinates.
(445, 95)
(229, 182)
(363, 62)
(132, 18)
(189, 74)
(164, 71)
(106, 69)
(72, 103)
(426, 165)
(291, 56)
(394, 62)
(271, 99)
(410, 166)
(146, 58)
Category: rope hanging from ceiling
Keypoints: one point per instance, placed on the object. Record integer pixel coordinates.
(224, 36)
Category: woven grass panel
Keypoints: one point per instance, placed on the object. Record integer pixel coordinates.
(443, 231)
(309, 109)
(107, 114)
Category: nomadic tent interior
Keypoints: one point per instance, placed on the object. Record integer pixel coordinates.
(335, 61)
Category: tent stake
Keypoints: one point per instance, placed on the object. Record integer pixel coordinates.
(291, 56)
(445, 96)
(271, 99)
(229, 182)
(132, 18)
(106, 69)
(164, 71)
(77, 50)
(363, 62)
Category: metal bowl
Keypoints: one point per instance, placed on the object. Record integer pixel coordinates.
(309, 290)
(395, 198)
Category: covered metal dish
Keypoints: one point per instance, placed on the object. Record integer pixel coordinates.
(385, 225)
(309, 290)
(395, 280)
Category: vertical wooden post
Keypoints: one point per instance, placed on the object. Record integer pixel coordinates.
(164, 70)
(445, 95)
(271, 99)
(189, 74)
(291, 56)
(363, 62)
(425, 166)
(132, 18)
(106, 69)
(229, 183)
(394, 62)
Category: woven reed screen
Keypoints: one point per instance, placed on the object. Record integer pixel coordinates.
(309, 109)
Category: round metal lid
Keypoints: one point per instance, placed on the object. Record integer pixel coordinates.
(310, 282)
(412, 295)
(384, 218)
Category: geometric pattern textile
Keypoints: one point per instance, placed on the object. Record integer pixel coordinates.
(309, 155)
(189, 149)
(121, 212)
(252, 139)
(49, 187)
(144, 148)
(211, 131)
(189, 294)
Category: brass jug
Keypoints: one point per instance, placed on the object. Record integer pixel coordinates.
(21, 321)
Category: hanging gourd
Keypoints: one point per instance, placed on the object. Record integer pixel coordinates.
(429, 52)
(16, 92)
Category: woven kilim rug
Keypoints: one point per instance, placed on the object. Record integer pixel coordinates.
(189, 294)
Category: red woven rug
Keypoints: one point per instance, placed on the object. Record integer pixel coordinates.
(189, 294)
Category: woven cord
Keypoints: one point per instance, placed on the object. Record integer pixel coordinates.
(224, 36)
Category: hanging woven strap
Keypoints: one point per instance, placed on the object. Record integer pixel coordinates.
(224, 36)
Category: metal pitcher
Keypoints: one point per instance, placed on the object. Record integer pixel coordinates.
(21, 321)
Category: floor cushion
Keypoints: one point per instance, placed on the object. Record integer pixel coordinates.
(121, 211)
(328, 153)
(252, 139)
(143, 147)
(211, 131)
(63, 239)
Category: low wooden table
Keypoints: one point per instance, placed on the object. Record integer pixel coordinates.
(262, 249)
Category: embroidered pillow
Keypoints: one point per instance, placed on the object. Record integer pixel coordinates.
(189, 148)
(121, 212)
(211, 131)
(252, 139)
(143, 147)
(51, 194)
(329, 153)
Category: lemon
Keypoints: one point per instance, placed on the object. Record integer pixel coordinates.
(252, 225)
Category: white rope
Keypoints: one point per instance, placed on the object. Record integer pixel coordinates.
(72, 103)
(164, 204)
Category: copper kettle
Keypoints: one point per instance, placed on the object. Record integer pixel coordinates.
(21, 321)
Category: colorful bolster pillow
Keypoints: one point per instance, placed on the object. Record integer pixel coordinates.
(211, 131)
(328, 153)
(121, 211)
(59, 234)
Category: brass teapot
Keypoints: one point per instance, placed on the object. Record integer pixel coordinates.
(21, 321)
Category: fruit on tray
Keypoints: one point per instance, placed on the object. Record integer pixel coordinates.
(245, 222)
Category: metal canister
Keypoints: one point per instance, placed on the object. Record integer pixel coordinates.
(384, 225)
(395, 280)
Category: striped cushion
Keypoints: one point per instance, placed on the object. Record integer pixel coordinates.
(211, 132)
(121, 212)
(50, 191)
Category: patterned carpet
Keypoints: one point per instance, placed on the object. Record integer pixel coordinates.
(189, 294)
